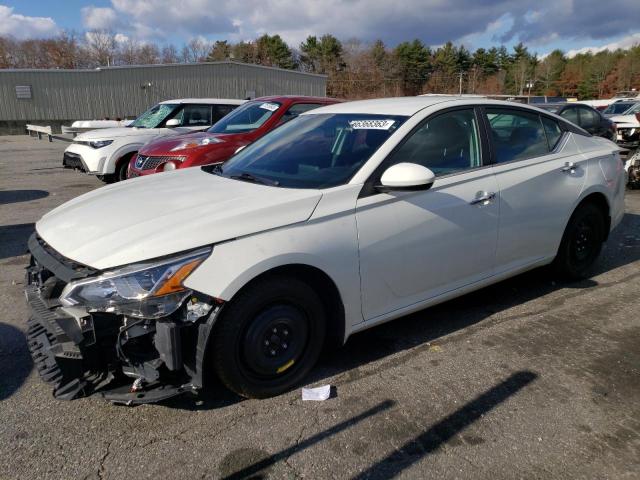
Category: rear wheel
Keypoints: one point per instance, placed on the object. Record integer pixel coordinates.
(581, 242)
(269, 337)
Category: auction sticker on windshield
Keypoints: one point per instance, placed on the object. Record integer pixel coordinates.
(371, 124)
(272, 107)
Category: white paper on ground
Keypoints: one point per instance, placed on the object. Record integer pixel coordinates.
(317, 394)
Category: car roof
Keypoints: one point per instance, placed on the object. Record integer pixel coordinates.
(214, 101)
(296, 98)
(408, 106)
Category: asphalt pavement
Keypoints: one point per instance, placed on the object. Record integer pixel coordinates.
(530, 378)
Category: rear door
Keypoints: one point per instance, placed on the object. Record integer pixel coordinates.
(540, 174)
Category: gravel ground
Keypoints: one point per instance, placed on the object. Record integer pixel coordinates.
(530, 378)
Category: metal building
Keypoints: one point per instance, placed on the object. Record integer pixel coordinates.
(54, 97)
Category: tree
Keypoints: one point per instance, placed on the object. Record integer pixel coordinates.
(169, 54)
(549, 70)
(273, 51)
(101, 47)
(244, 52)
(221, 50)
(413, 65)
(322, 56)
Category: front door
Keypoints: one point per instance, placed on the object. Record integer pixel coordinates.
(417, 245)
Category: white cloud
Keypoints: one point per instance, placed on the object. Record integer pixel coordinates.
(98, 18)
(21, 26)
(626, 42)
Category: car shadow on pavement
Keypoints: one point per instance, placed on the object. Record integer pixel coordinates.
(13, 239)
(412, 451)
(15, 361)
(17, 196)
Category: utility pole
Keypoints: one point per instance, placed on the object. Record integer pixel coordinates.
(460, 85)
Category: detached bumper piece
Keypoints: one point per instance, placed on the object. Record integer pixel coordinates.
(127, 361)
(73, 160)
(59, 362)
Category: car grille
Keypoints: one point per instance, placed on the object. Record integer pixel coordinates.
(72, 160)
(144, 162)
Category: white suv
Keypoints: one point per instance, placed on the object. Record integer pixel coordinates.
(348, 216)
(106, 152)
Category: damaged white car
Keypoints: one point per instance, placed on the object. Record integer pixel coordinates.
(345, 217)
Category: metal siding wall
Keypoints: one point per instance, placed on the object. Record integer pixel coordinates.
(118, 92)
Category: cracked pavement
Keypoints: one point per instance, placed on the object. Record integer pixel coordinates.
(529, 378)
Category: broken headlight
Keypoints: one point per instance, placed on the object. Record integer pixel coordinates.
(145, 290)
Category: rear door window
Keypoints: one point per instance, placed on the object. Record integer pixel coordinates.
(588, 118)
(196, 116)
(552, 130)
(571, 114)
(517, 135)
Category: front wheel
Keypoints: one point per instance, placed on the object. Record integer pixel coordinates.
(581, 242)
(269, 337)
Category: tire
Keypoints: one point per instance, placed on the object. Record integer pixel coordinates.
(120, 174)
(269, 337)
(581, 242)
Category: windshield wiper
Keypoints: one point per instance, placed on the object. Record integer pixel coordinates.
(248, 177)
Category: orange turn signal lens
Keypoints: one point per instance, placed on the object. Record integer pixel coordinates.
(174, 282)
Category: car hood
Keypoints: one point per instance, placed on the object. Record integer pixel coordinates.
(111, 133)
(165, 145)
(168, 213)
(625, 120)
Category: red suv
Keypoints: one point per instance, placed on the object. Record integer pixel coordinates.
(244, 125)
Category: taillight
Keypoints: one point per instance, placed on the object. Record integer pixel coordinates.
(638, 116)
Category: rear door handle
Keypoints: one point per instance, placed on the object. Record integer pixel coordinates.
(569, 167)
(483, 198)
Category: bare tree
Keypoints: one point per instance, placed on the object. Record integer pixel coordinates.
(196, 50)
(101, 47)
(169, 54)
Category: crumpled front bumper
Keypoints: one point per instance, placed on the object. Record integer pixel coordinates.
(80, 353)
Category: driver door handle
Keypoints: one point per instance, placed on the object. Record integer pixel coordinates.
(483, 198)
(569, 167)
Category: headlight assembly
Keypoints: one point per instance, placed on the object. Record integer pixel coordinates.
(100, 143)
(198, 142)
(143, 290)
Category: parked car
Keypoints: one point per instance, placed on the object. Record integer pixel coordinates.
(222, 140)
(346, 217)
(584, 116)
(618, 108)
(628, 127)
(106, 152)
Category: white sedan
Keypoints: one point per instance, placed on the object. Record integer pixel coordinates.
(346, 217)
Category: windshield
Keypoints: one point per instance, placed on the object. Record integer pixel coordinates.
(313, 151)
(634, 109)
(246, 118)
(154, 117)
(618, 107)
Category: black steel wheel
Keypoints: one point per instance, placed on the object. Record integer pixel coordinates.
(269, 337)
(581, 242)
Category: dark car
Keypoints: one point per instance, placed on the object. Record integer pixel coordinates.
(584, 116)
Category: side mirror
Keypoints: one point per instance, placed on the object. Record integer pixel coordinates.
(406, 176)
(174, 122)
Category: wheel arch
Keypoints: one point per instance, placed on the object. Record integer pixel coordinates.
(600, 200)
(322, 284)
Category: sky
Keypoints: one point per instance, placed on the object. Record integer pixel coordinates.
(543, 25)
